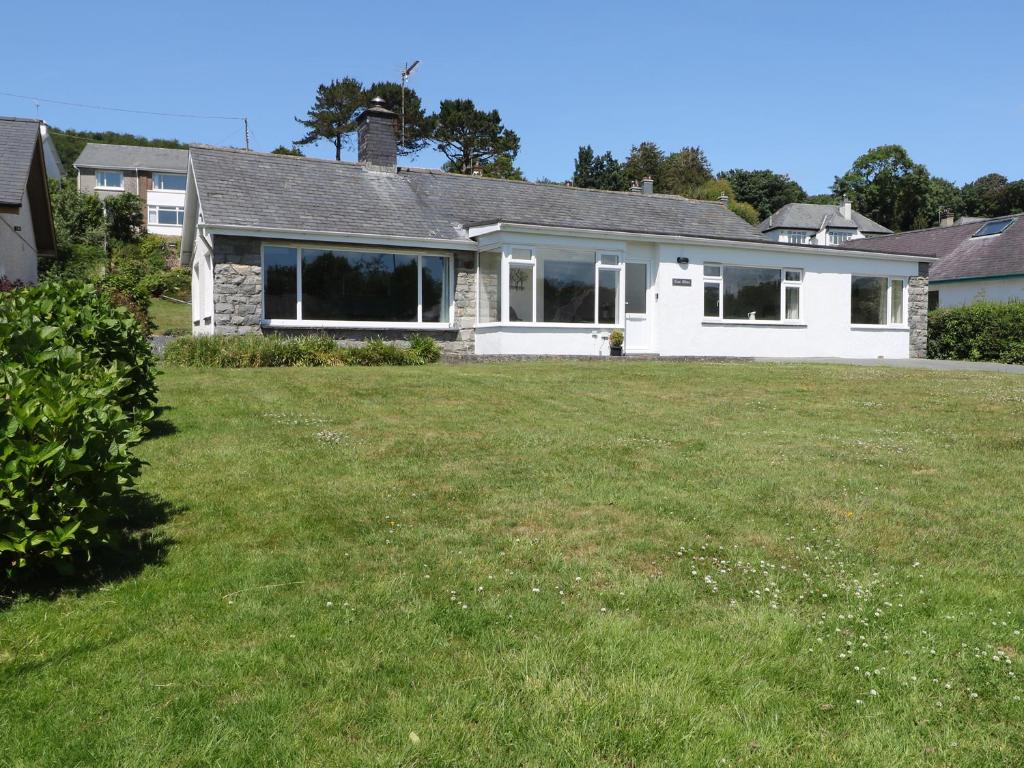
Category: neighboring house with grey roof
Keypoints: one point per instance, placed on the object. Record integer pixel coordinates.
(819, 224)
(291, 245)
(155, 174)
(977, 258)
(26, 223)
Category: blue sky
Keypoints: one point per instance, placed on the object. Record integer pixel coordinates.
(798, 87)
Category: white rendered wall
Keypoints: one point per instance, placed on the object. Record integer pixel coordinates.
(166, 199)
(958, 293)
(18, 257)
(678, 327)
(202, 290)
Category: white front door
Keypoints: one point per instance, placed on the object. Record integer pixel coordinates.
(638, 299)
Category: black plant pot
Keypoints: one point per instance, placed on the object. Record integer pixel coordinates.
(616, 351)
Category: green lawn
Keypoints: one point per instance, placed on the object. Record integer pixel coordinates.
(170, 315)
(551, 564)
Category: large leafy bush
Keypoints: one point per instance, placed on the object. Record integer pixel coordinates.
(984, 330)
(77, 383)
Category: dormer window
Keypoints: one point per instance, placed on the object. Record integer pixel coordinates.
(993, 228)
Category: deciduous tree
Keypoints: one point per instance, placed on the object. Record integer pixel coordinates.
(683, 172)
(765, 190)
(884, 184)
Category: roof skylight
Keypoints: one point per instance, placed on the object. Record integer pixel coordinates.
(993, 228)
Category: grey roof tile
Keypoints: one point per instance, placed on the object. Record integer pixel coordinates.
(811, 215)
(124, 156)
(291, 193)
(18, 138)
(960, 253)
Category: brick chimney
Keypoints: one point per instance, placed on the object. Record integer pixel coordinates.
(377, 129)
(947, 219)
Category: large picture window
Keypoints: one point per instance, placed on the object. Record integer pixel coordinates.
(751, 293)
(342, 285)
(576, 288)
(166, 215)
(876, 300)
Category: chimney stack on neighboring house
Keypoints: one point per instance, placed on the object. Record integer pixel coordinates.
(946, 219)
(378, 135)
(723, 199)
(634, 186)
(846, 209)
(647, 185)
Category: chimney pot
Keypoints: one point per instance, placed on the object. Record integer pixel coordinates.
(377, 129)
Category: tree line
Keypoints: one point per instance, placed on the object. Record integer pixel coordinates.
(884, 184)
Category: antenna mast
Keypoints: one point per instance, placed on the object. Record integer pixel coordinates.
(409, 69)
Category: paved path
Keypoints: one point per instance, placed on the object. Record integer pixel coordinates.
(933, 365)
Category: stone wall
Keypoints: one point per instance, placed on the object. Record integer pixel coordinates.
(917, 317)
(237, 285)
(238, 300)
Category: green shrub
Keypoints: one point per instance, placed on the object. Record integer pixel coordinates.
(78, 387)
(257, 351)
(171, 282)
(984, 330)
(428, 350)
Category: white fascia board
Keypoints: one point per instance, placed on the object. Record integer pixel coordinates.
(193, 215)
(359, 238)
(772, 246)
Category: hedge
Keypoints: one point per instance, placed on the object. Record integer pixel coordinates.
(256, 351)
(984, 330)
(78, 387)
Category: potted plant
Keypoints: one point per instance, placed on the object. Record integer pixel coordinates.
(615, 340)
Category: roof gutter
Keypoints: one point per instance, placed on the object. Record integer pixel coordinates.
(723, 242)
(974, 278)
(277, 233)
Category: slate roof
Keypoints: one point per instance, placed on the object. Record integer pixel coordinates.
(292, 193)
(123, 156)
(960, 254)
(18, 138)
(810, 216)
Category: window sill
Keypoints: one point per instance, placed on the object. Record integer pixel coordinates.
(759, 323)
(109, 189)
(872, 327)
(356, 325)
(552, 326)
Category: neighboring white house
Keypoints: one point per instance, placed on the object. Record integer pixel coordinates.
(815, 224)
(495, 267)
(155, 174)
(26, 224)
(977, 258)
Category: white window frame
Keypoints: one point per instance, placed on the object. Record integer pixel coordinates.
(153, 215)
(524, 255)
(888, 302)
(719, 280)
(105, 171)
(160, 176)
(837, 236)
(797, 237)
(299, 322)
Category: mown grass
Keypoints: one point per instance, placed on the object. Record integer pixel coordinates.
(170, 317)
(552, 563)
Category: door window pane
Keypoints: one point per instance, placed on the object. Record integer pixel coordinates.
(867, 300)
(752, 293)
(792, 303)
(607, 296)
(896, 310)
(711, 293)
(435, 289)
(279, 283)
(490, 287)
(568, 291)
(520, 293)
(348, 285)
(636, 288)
